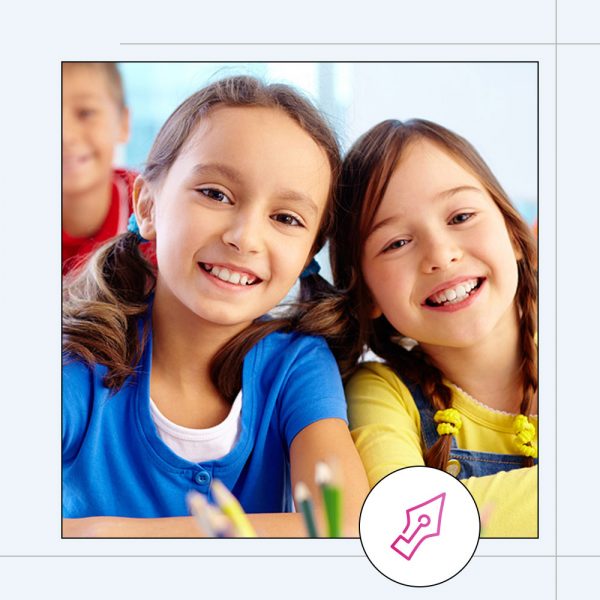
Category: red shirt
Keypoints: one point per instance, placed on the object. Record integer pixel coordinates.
(75, 249)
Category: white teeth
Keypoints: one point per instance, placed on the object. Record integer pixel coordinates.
(456, 294)
(229, 276)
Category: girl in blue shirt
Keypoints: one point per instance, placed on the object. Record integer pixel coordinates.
(237, 198)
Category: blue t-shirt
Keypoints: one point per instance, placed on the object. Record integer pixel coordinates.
(115, 464)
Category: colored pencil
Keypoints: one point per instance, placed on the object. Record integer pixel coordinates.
(210, 519)
(332, 498)
(304, 503)
(232, 509)
(198, 507)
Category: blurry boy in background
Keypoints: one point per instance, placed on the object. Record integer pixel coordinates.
(96, 198)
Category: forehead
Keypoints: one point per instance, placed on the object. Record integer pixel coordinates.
(426, 178)
(428, 169)
(254, 137)
(82, 81)
(262, 148)
(265, 125)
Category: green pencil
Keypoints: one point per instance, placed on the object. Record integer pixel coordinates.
(332, 499)
(304, 503)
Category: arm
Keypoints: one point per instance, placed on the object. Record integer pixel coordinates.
(385, 426)
(327, 439)
(384, 421)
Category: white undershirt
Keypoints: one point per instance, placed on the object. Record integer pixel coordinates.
(200, 445)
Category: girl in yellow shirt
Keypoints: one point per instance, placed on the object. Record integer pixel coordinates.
(441, 284)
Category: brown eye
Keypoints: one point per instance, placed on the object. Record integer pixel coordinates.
(460, 218)
(395, 245)
(216, 195)
(287, 220)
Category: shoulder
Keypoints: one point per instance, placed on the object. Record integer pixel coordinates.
(285, 360)
(75, 371)
(123, 179)
(377, 371)
(78, 382)
(377, 378)
(291, 346)
(78, 379)
(297, 376)
(125, 175)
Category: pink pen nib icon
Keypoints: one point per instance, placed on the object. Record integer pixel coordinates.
(422, 521)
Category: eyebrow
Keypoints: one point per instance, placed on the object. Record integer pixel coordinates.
(442, 195)
(236, 177)
(461, 188)
(217, 169)
(86, 96)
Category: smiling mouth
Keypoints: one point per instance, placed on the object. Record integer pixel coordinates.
(230, 276)
(74, 161)
(455, 294)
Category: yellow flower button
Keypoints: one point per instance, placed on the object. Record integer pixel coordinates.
(453, 467)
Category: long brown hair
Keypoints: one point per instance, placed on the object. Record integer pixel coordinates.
(104, 300)
(366, 172)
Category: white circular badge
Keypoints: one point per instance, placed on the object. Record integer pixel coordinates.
(419, 526)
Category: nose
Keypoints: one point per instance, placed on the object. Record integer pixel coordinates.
(244, 232)
(440, 251)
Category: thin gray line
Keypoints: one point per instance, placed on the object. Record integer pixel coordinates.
(269, 556)
(556, 298)
(182, 556)
(359, 43)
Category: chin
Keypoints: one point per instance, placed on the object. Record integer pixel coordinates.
(225, 319)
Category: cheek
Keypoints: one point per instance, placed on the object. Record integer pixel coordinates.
(510, 261)
(290, 261)
(384, 279)
(514, 277)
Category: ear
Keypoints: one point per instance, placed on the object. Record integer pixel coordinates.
(124, 126)
(376, 312)
(144, 207)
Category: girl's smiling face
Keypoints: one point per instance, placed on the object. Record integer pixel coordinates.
(438, 260)
(236, 216)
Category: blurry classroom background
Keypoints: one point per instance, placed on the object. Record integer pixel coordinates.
(493, 105)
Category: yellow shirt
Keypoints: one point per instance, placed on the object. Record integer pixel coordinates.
(386, 428)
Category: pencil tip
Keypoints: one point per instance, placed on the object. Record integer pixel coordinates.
(219, 491)
(301, 492)
(322, 473)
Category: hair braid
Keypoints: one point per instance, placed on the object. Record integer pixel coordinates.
(527, 304)
(416, 367)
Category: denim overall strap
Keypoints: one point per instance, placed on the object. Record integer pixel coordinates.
(462, 463)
